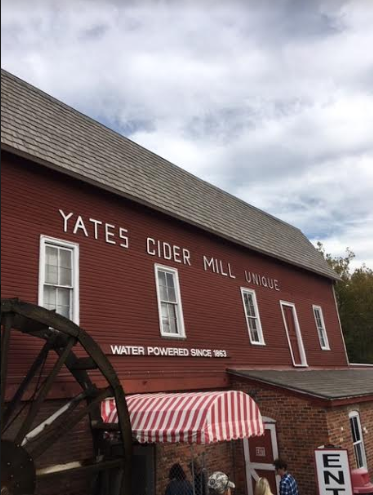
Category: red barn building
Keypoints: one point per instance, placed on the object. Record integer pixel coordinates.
(185, 287)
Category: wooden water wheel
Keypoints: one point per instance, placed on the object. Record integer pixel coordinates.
(28, 429)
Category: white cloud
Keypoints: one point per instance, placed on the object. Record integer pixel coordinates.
(270, 101)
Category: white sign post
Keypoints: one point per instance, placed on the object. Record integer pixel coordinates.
(333, 472)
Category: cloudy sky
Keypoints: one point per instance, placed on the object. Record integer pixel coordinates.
(269, 100)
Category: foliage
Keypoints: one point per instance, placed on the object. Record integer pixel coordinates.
(354, 295)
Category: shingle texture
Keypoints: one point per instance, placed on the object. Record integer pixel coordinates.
(38, 126)
(326, 384)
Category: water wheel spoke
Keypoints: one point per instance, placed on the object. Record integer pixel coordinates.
(54, 420)
(5, 340)
(25, 383)
(24, 429)
(65, 422)
(86, 465)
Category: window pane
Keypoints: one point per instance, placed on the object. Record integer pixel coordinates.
(171, 295)
(65, 258)
(169, 322)
(355, 429)
(359, 455)
(164, 310)
(65, 267)
(162, 277)
(163, 293)
(249, 305)
(63, 297)
(49, 297)
(63, 310)
(170, 280)
(165, 325)
(63, 302)
(65, 276)
(173, 326)
(172, 318)
(317, 318)
(162, 286)
(252, 309)
(165, 319)
(51, 265)
(253, 330)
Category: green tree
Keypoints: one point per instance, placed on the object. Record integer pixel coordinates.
(354, 293)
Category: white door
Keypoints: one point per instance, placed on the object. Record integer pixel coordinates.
(260, 452)
(293, 333)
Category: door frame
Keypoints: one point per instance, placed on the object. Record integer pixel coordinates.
(298, 332)
(250, 467)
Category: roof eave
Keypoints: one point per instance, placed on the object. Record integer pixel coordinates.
(330, 401)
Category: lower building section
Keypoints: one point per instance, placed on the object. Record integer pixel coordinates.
(294, 426)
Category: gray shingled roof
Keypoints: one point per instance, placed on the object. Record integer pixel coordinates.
(41, 128)
(325, 384)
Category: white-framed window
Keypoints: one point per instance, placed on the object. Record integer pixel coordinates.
(170, 310)
(254, 326)
(59, 277)
(321, 330)
(357, 438)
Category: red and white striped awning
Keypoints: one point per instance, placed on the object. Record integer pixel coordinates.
(198, 417)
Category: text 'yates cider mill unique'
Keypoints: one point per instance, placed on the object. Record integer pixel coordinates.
(118, 235)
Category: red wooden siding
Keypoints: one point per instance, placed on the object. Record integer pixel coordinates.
(118, 303)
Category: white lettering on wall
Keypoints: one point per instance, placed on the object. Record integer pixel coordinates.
(96, 224)
(79, 224)
(109, 234)
(127, 350)
(123, 235)
(65, 219)
(95, 228)
(167, 251)
(208, 263)
(218, 266)
(113, 234)
(261, 280)
(131, 350)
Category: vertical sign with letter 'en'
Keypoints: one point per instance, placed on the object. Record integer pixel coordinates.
(333, 472)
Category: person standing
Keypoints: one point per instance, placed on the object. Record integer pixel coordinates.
(178, 484)
(288, 485)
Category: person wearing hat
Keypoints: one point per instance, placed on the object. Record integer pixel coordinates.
(219, 484)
